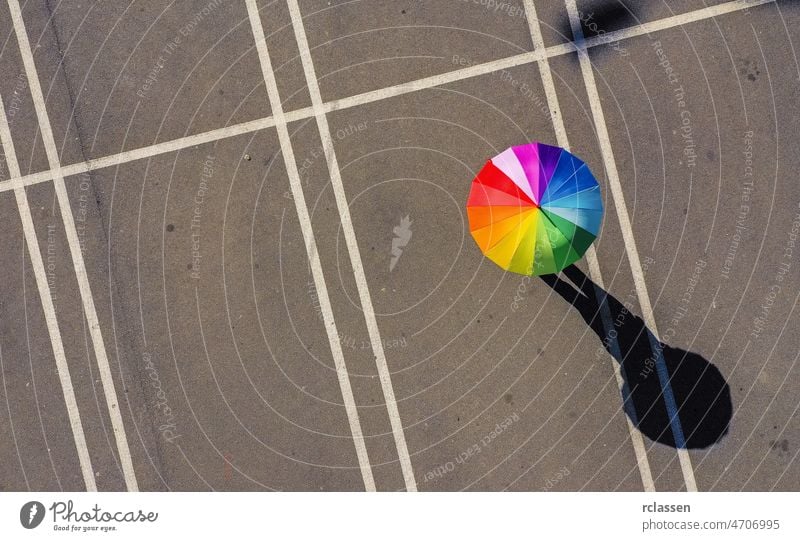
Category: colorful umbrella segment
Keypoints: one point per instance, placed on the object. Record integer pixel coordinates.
(534, 209)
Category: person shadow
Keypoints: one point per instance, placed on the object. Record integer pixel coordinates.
(673, 396)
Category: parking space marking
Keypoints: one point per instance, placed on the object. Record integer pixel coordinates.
(75, 248)
(48, 307)
(630, 243)
(311, 245)
(537, 55)
(151, 151)
(639, 448)
(546, 74)
(591, 254)
(352, 246)
(384, 93)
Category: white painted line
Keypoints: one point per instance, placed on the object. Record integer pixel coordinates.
(547, 75)
(74, 247)
(170, 146)
(352, 246)
(622, 210)
(47, 305)
(540, 54)
(673, 21)
(636, 436)
(384, 93)
(311, 245)
(152, 150)
(11, 418)
(591, 254)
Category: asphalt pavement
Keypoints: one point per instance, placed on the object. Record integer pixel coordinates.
(262, 277)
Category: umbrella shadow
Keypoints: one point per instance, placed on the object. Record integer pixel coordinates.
(673, 396)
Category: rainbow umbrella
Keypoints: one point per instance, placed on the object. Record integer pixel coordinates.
(534, 209)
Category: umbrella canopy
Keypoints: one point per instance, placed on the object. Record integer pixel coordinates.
(534, 209)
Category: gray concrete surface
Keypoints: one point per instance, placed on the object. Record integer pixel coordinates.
(201, 280)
